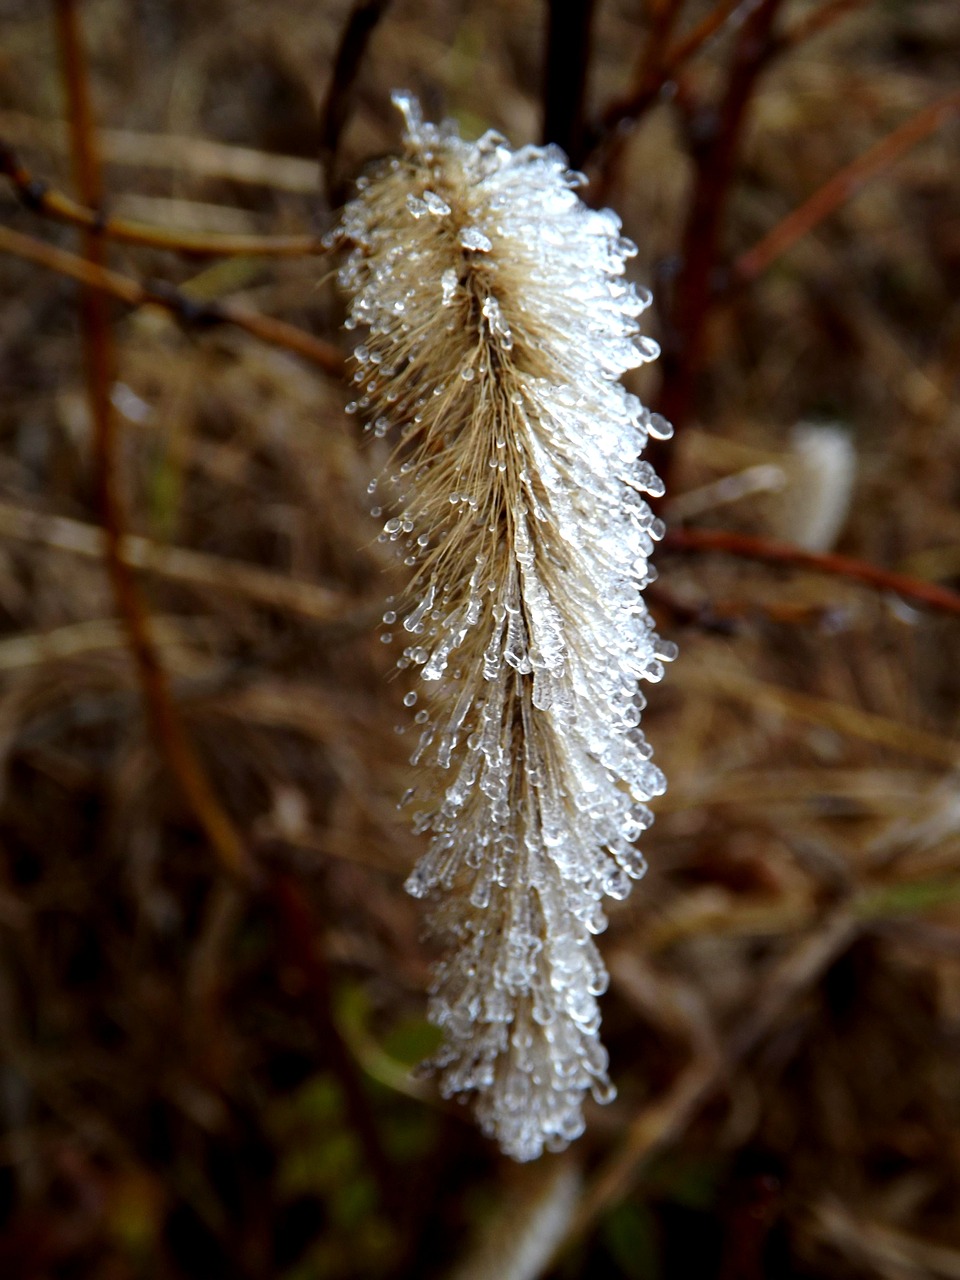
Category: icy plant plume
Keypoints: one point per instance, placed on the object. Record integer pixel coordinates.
(497, 323)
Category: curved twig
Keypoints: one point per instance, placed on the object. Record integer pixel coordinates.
(184, 308)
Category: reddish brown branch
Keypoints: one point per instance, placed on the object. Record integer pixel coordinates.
(928, 594)
(100, 361)
(844, 185)
(184, 308)
(652, 80)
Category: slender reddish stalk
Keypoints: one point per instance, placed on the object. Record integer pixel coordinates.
(299, 929)
(99, 355)
(844, 185)
(647, 87)
(928, 594)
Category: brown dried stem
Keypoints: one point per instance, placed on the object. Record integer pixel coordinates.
(177, 748)
(185, 309)
(298, 927)
(191, 156)
(664, 1122)
(652, 79)
(39, 197)
(747, 547)
(199, 569)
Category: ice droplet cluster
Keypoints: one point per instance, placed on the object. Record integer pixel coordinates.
(497, 324)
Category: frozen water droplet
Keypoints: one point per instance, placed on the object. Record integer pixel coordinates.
(448, 285)
(474, 239)
(435, 204)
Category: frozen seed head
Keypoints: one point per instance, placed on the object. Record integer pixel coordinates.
(498, 323)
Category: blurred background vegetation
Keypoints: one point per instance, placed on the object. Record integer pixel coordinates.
(211, 982)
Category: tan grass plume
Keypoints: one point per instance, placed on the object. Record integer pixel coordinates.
(498, 323)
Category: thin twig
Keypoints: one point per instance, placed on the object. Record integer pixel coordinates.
(39, 197)
(360, 26)
(646, 89)
(178, 750)
(185, 309)
(877, 1249)
(747, 547)
(881, 907)
(844, 185)
(731, 681)
(298, 928)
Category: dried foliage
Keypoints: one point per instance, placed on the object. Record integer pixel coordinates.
(205, 1072)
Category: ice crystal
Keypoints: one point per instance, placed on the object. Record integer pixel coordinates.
(498, 324)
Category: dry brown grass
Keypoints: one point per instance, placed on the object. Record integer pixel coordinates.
(784, 1020)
